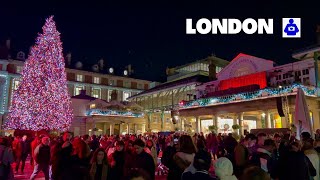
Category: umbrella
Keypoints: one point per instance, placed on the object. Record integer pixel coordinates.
(302, 115)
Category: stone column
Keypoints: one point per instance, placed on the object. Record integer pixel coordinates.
(259, 121)
(135, 128)
(267, 119)
(105, 128)
(128, 129)
(143, 128)
(272, 120)
(120, 128)
(111, 129)
(197, 124)
(240, 118)
(149, 121)
(182, 123)
(284, 122)
(235, 121)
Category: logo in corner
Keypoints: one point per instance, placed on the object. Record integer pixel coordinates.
(291, 27)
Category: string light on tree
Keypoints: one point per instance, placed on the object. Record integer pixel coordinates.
(41, 101)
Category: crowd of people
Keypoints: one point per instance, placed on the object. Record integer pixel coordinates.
(187, 157)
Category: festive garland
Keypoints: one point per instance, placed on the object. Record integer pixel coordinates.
(267, 92)
(113, 113)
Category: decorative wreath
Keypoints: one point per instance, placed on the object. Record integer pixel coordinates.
(226, 126)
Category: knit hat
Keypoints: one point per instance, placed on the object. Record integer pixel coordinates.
(224, 169)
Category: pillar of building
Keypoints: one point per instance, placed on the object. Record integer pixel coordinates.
(143, 128)
(149, 121)
(240, 119)
(259, 121)
(284, 122)
(267, 119)
(120, 128)
(111, 129)
(105, 128)
(215, 120)
(162, 120)
(182, 123)
(128, 128)
(135, 128)
(197, 124)
(272, 121)
(235, 121)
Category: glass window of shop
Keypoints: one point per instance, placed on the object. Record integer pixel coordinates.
(96, 92)
(77, 89)
(205, 125)
(225, 125)
(249, 124)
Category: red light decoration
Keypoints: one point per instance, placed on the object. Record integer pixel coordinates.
(251, 79)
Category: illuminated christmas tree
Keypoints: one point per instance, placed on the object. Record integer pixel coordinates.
(42, 101)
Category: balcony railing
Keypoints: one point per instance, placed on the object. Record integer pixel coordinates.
(248, 96)
(108, 112)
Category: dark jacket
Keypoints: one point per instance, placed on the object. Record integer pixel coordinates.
(266, 160)
(25, 147)
(142, 161)
(42, 154)
(117, 171)
(200, 175)
(293, 166)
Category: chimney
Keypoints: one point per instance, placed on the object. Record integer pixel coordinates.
(8, 43)
(318, 34)
(68, 57)
(101, 64)
(212, 70)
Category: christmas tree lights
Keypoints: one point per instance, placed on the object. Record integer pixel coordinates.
(42, 101)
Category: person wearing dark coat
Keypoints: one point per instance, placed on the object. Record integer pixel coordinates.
(42, 158)
(25, 150)
(117, 162)
(142, 161)
(294, 165)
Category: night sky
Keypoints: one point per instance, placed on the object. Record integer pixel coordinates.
(151, 36)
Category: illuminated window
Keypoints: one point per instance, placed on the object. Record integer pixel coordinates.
(77, 89)
(92, 106)
(109, 95)
(79, 77)
(111, 82)
(126, 95)
(19, 69)
(218, 69)
(96, 80)
(127, 84)
(96, 92)
(16, 84)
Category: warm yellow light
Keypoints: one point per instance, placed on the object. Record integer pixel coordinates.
(92, 106)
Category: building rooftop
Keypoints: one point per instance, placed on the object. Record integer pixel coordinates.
(173, 84)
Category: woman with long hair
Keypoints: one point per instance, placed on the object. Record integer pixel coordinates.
(99, 165)
(182, 158)
(80, 159)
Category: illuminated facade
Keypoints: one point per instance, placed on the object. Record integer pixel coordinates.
(161, 101)
(105, 86)
(253, 93)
